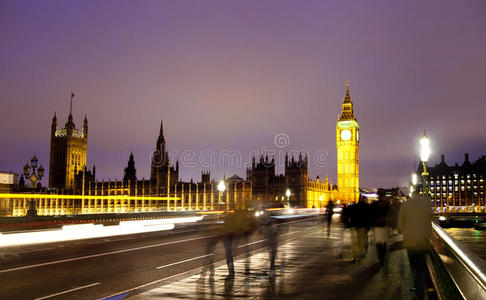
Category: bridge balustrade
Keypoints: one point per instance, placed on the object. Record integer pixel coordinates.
(456, 271)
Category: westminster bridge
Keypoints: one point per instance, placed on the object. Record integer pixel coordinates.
(164, 255)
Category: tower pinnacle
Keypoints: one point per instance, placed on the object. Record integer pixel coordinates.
(347, 112)
(161, 133)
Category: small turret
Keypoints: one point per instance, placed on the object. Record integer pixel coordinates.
(130, 173)
(54, 125)
(85, 126)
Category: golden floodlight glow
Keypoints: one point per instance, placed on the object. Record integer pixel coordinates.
(221, 186)
(56, 196)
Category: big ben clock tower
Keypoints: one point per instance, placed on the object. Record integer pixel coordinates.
(347, 142)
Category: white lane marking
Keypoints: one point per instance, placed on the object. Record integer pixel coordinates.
(185, 272)
(183, 261)
(35, 250)
(289, 233)
(241, 246)
(102, 254)
(68, 291)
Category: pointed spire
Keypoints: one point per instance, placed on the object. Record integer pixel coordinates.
(347, 98)
(71, 104)
(70, 124)
(347, 112)
(161, 138)
(54, 124)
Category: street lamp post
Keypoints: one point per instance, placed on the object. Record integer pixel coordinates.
(34, 175)
(288, 193)
(221, 189)
(424, 157)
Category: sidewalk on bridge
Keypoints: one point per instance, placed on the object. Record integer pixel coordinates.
(308, 267)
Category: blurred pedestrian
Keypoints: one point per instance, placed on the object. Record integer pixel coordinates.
(358, 220)
(415, 224)
(392, 217)
(345, 222)
(329, 212)
(246, 226)
(230, 228)
(270, 232)
(211, 243)
(379, 223)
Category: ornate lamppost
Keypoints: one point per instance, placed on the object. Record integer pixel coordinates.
(288, 193)
(424, 157)
(34, 175)
(221, 189)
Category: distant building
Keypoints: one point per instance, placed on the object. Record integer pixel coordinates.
(459, 187)
(347, 141)
(269, 187)
(68, 174)
(68, 153)
(8, 182)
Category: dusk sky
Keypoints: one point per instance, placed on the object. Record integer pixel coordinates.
(231, 75)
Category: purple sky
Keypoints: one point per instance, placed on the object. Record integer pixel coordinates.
(230, 75)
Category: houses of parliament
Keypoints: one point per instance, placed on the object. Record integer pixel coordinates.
(164, 191)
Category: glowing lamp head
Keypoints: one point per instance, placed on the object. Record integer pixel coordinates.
(26, 169)
(221, 186)
(40, 171)
(424, 148)
(33, 161)
(414, 178)
(287, 193)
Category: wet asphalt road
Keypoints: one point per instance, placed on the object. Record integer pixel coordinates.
(97, 268)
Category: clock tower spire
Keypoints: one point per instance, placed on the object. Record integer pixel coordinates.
(347, 143)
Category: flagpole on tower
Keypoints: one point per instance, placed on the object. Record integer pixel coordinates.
(71, 105)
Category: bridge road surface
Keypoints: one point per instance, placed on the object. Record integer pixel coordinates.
(96, 268)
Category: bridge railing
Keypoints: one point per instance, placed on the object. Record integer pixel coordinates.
(456, 271)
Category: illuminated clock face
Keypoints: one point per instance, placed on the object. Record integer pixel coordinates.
(345, 135)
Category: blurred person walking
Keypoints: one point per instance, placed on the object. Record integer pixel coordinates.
(415, 224)
(246, 226)
(357, 216)
(270, 232)
(345, 222)
(379, 223)
(230, 229)
(329, 212)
